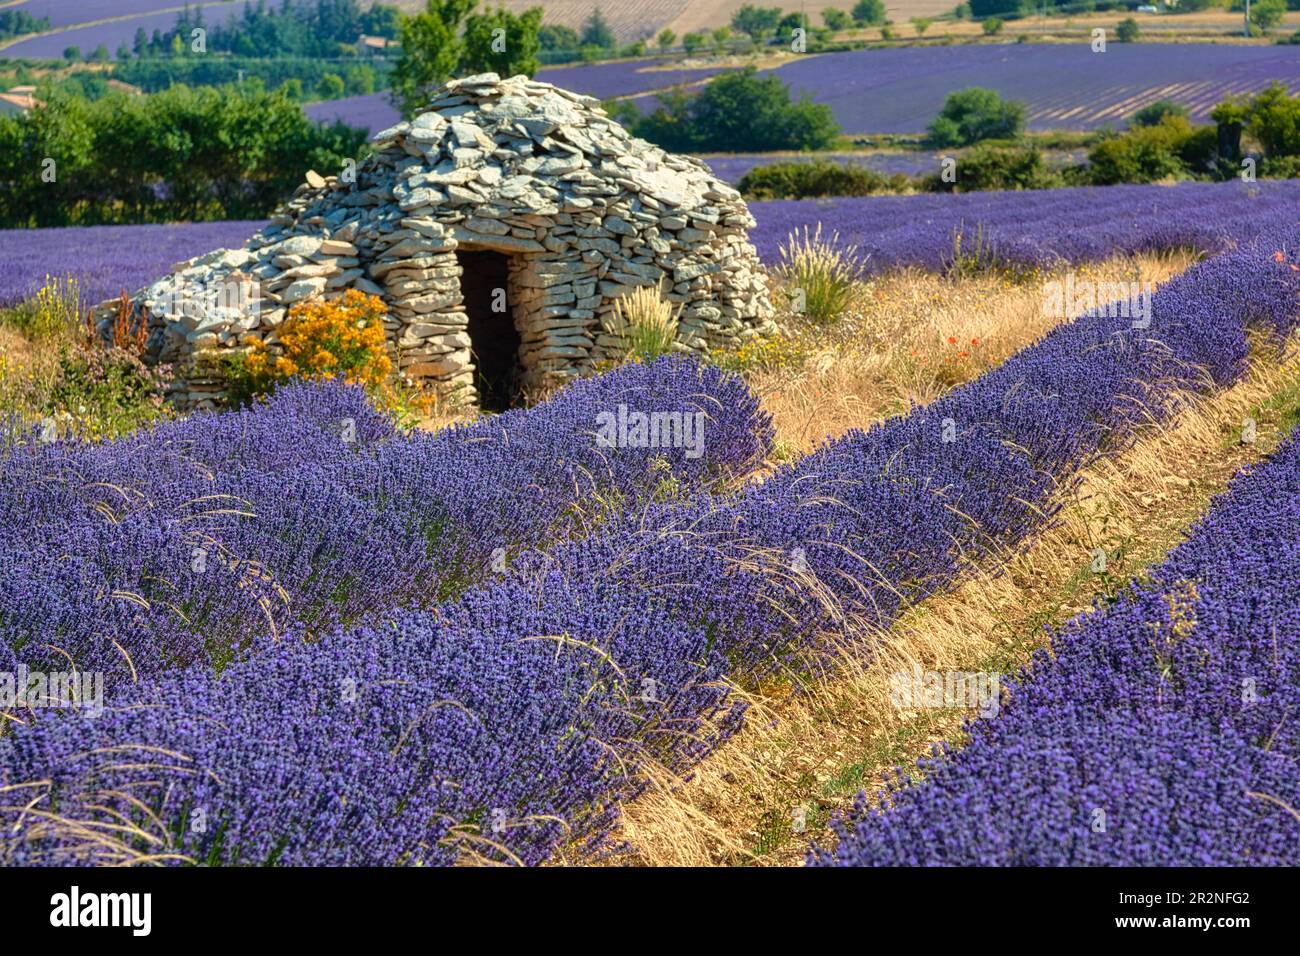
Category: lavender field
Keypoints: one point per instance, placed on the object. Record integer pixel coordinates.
(113, 33)
(1019, 229)
(1033, 229)
(297, 777)
(106, 259)
(733, 166)
(1064, 86)
(602, 80)
(62, 13)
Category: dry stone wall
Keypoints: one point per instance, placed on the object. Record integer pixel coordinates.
(583, 212)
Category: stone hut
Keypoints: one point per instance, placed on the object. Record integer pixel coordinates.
(499, 226)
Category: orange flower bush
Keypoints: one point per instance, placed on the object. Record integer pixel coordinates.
(325, 339)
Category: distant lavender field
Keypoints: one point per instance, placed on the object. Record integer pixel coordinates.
(110, 34)
(371, 112)
(602, 80)
(1030, 228)
(733, 166)
(1064, 86)
(107, 259)
(62, 13)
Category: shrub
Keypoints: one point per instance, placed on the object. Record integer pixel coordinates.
(800, 180)
(739, 111)
(106, 392)
(998, 167)
(1280, 167)
(647, 321)
(836, 19)
(324, 339)
(991, 27)
(1153, 113)
(1274, 120)
(975, 114)
(56, 308)
(1126, 31)
(822, 275)
(869, 12)
(1143, 155)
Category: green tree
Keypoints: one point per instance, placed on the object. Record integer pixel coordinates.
(382, 20)
(836, 19)
(869, 12)
(431, 51)
(140, 45)
(666, 38)
(1274, 121)
(331, 87)
(1126, 31)
(360, 80)
(498, 41)
(1266, 14)
(758, 22)
(921, 24)
(596, 31)
(72, 53)
(991, 27)
(692, 43)
(985, 9)
(971, 115)
(740, 111)
(559, 43)
(123, 52)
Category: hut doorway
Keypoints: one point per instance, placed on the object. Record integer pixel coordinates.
(494, 339)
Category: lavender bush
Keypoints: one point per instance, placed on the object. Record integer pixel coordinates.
(1159, 733)
(188, 541)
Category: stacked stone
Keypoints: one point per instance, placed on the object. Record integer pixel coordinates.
(584, 212)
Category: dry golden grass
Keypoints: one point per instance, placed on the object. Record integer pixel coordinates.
(815, 751)
(911, 336)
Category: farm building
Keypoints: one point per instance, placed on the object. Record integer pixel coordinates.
(500, 227)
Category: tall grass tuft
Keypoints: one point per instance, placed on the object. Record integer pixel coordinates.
(821, 274)
(648, 321)
(56, 309)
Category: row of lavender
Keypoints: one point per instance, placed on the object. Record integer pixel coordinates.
(1161, 732)
(1023, 229)
(185, 542)
(1037, 229)
(511, 722)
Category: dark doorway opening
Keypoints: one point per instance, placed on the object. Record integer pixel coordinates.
(493, 337)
